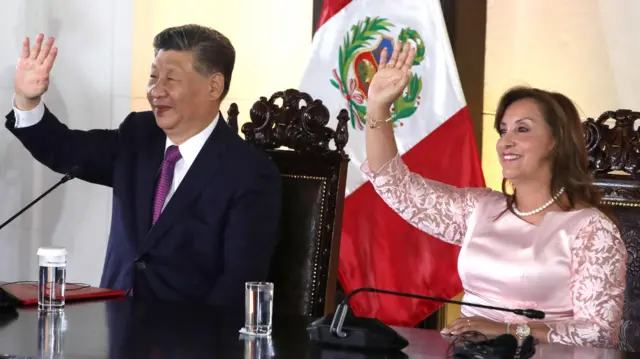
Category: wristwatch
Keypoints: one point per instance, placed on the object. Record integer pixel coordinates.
(522, 331)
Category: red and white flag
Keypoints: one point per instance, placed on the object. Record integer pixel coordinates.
(434, 135)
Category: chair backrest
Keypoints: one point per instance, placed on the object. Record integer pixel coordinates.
(295, 136)
(614, 157)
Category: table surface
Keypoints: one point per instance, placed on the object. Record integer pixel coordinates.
(130, 329)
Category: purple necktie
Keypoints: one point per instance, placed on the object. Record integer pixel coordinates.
(164, 183)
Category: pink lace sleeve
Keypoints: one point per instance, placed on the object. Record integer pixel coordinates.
(433, 207)
(599, 260)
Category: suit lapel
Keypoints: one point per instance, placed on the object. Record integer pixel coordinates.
(206, 164)
(149, 165)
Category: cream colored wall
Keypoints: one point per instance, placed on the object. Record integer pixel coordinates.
(272, 41)
(586, 49)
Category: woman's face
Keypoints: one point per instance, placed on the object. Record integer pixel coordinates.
(525, 143)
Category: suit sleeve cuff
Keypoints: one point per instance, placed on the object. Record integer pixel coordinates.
(27, 118)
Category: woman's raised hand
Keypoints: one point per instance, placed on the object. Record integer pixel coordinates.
(392, 76)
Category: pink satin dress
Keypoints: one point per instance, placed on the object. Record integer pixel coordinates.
(571, 266)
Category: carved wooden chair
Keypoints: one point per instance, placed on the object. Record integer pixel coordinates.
(614, 157)
(294, 134)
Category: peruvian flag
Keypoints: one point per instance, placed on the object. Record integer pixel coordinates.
(434, 135)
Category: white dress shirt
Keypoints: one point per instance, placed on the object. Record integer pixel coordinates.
(189, 149)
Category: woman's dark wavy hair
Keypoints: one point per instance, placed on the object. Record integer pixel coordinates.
(569, 167)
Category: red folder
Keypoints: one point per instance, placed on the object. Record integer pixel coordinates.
(26, 293)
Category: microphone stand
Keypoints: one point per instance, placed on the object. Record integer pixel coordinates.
(67, 177)
(371, 334)
(343, 307)
(7, 309)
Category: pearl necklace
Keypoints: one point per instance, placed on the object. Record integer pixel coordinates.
(541, 208)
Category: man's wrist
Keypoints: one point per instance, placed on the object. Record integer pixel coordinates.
(23, 103)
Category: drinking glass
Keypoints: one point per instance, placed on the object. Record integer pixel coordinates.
(51, 278)
(258, 306)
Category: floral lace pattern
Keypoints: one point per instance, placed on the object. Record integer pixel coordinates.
(598, 255)
(438, 209)
(598, 283)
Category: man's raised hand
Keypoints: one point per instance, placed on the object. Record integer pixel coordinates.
(32, 72)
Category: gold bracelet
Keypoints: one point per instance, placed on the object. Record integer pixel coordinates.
(373, 123)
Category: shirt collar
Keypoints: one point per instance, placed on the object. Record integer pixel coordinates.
(191, 147)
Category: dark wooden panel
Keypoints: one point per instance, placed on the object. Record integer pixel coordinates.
(317, 8)
(448, 10)
(467, 20)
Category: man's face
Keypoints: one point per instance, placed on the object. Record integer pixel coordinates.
(180, 97)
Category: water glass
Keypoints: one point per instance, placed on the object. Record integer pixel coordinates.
(258, 306)
(51, 278)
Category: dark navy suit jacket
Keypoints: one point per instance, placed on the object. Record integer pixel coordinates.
(219, 229)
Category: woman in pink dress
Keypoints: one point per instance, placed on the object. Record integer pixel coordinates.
(545, 245)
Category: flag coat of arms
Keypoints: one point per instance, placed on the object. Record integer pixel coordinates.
(435, 138)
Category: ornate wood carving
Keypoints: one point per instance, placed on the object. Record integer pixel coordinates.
(299, 123)
(629, 337)
(232, 117)
(619, 192)
(615, 149)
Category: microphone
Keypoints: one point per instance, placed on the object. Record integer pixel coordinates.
(8, 310)
(67, 177)
(503, 347)
(371, 333)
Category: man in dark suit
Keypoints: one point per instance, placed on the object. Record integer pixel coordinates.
(195, 208)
